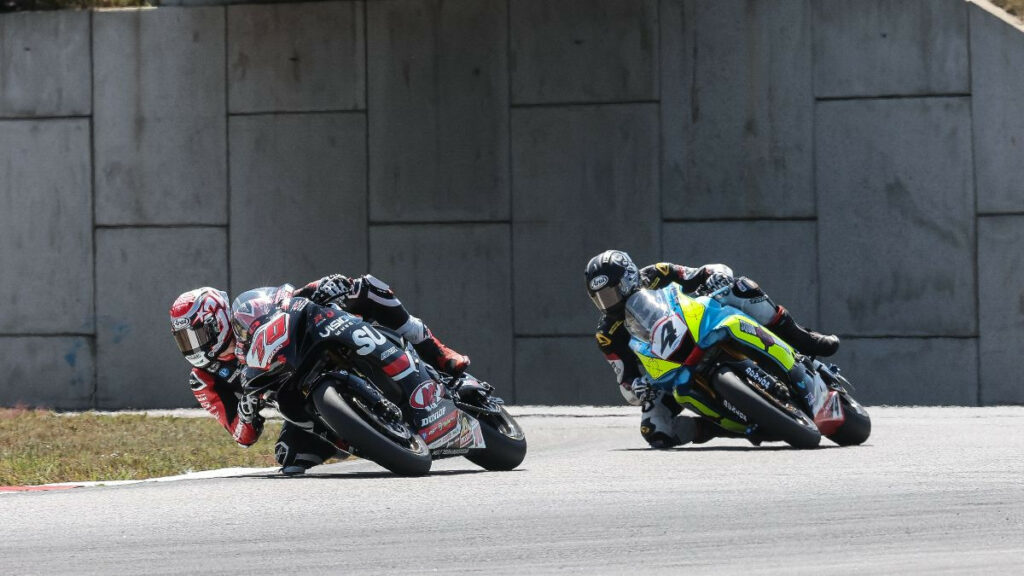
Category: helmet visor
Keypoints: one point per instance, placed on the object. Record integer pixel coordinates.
(191, 340)
(606, 298)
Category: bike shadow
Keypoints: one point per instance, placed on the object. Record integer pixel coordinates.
(724, 449)
(361, 475)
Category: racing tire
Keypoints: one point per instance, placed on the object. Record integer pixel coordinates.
(505, 440)
(792, 427)
(857, 426)
(369, 437)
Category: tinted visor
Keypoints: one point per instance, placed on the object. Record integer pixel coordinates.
(606, 297)
(191, 340)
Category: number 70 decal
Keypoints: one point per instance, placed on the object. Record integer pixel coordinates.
(267, 341)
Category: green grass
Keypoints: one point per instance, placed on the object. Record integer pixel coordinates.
(1015, 7)
(41, 447)
(72, 4)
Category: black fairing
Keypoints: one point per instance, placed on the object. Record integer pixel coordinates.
(313, 332)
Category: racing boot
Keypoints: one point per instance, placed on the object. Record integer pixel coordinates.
(435, 353)
(807, 342)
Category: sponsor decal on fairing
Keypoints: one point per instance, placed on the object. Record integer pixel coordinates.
(758, 377)
(337, 326)
(368, 340)
(427, 395)
(734, 410)
(759, 333)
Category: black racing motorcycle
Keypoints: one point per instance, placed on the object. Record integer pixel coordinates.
(347, 370)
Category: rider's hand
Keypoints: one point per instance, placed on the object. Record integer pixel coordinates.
(626, 389)
(330, 288)
(717, 281)
(640, 388)
(249, 408)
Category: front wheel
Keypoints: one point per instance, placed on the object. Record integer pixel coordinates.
(391, 444)
(505, 440)
(789, 425)
(856, 424)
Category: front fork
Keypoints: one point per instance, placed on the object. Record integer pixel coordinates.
(821, 400)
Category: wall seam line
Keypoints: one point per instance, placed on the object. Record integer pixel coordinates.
(227, 148)
(366, 128)
(511, 196)
(975, 220)
(94, 392)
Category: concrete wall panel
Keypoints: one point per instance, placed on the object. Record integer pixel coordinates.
(457, 278)
(896, 217)
(890, 47)
(298, 198)
(160, 116)
(583, 50)
(911, 371)
(296, 57)
(46, 252)
(737, 109)
(45, 68)
(997, 98)
(564, 371)
(438, 110)
(53, 372)
(1001, 308)
(780, 256)
(585, 180)
(139, 273)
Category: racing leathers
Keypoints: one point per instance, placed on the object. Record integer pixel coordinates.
(304, 441)
(661, 425)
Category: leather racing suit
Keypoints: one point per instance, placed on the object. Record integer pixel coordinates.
(661, 425)
(304, 441)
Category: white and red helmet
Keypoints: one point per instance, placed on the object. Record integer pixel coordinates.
(201, 325)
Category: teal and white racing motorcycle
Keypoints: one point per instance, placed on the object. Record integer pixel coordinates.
(725, 366)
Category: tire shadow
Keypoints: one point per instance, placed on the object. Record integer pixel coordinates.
(725, 449)
(362, 475)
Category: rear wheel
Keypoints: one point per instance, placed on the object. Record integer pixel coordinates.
(388, 443)
(856, 426)
(506, 442)
(788, 424)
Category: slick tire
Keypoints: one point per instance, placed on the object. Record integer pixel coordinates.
(857, 426)
(506, 443)
(794, 428)
(367, 436)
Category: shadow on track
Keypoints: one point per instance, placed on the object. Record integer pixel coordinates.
(724, 449)
(362, 475)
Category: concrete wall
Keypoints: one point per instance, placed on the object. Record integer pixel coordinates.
(861, 159)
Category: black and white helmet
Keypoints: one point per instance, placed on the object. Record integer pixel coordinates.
(612, 277)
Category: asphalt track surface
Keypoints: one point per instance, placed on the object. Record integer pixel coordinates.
(935, 490)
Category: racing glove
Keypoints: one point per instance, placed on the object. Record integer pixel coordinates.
(717, 281)
(626, 389)
(635, 391)
(249, 407)
(330, 288)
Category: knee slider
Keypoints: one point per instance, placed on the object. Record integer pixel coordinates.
(657, 439)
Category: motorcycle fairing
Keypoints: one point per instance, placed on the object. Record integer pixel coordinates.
(694, 401)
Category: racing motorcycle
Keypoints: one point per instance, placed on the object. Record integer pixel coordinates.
(346, 370)
(740, 372)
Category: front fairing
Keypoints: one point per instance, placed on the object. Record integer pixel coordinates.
(659, 323)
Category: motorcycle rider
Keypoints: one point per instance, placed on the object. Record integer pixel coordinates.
(201, 324)
(612, 278)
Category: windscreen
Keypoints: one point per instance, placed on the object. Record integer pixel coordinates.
(643, 310)
(249, 307)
